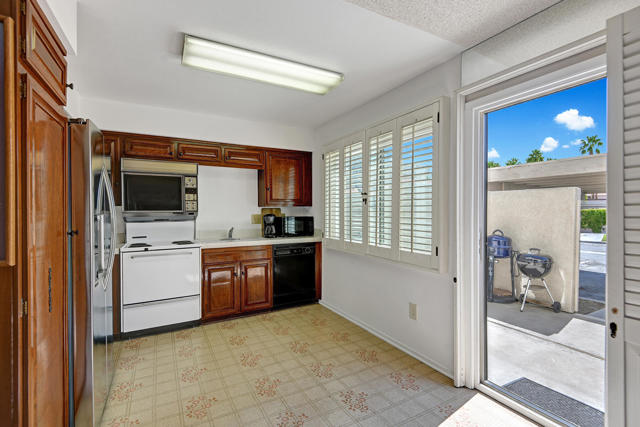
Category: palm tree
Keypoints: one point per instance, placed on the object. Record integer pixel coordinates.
(535, 156)
(512, 162)
(590, 145)
(492, 164)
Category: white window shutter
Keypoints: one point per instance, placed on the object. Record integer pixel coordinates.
(332, 198)
(417, 189)
(354, 194)
(623, 220)
(380, 196)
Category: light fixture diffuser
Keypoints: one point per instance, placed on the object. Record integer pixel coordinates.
(225, 59)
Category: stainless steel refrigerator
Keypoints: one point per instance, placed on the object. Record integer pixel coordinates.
(92, 239)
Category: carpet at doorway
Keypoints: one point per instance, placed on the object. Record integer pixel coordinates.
(557, 403)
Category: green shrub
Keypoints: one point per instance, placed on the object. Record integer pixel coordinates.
(593, 219)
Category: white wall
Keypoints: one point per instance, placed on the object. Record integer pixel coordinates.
(228, 196)
(557, 26)
(376, 292)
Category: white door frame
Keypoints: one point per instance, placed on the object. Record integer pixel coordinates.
(569, 66)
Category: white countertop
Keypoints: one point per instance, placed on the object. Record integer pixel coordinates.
(217, 242)
(256, 241)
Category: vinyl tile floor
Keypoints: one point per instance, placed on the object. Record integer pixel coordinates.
(300, 366)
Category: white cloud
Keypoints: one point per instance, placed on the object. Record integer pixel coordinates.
(576, 142)
(493, 154)
(549, 144)
(574, 121)
(565, 146)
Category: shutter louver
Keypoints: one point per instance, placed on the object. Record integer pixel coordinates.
(380, 190)
(631, 139)
(416, 188)
(353, 177)
(332, 195)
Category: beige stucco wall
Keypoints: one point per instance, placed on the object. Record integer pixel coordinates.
(548, 219)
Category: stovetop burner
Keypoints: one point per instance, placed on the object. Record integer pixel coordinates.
(139, 245)
(182, 242)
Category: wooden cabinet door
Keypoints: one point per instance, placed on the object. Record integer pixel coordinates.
(112, 143)
(246, 158)
(203, 154)
(148, 148)
(44, 52)
(286, 180)
(257, 290)
(46, 295)
(220, 290)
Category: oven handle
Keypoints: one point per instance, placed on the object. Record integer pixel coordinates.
(150, 255)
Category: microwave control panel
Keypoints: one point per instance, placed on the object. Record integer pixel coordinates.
(191, 193)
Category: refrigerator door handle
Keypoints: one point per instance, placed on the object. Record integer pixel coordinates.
(112, 213)
(101, 242)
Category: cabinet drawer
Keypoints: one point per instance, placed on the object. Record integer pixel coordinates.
(209, 154)
(43, 52)
(148, 148)
(244, 157)
(245, 253)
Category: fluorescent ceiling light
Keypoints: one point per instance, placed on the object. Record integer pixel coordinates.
(225, 59)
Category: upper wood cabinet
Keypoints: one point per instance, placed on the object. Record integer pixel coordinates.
(247, 158)
(42, 50)
(134, 146)
(286, 179)
(201, 153)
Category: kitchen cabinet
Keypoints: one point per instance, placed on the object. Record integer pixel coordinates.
(220, 290)
(203, 154)
(8, 148)
(236, 280)
(45, 144)
(42, 51)
(246, 158)
(148, 148)
(286, 179)
(256, 287)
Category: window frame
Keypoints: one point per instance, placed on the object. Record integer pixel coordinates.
(436, 261)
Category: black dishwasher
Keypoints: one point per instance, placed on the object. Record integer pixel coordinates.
(294, 274)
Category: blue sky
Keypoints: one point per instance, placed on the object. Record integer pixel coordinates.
(553, 123)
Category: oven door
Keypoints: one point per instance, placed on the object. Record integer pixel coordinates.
(160, 275)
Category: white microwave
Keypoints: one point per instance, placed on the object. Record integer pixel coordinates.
(158, 190)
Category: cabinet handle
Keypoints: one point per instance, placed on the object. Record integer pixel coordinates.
(268, 188)
(180, 154)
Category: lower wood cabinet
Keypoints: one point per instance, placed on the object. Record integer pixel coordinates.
(257, 287)
(236, 280)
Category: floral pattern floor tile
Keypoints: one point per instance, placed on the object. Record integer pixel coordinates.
(304, 366)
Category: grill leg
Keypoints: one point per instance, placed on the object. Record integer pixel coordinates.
(548, 291)
(526, 291)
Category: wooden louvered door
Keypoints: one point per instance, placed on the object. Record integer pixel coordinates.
(623, 193)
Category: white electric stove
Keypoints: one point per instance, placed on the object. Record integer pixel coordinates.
(160, 275)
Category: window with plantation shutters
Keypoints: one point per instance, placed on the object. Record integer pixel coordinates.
(353, 192)
(416, 189)
(380, 190)
(332, 195)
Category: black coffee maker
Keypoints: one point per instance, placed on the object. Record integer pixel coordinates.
(271, 226)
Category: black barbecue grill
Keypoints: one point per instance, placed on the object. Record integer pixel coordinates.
(535, 266)
(499, 247)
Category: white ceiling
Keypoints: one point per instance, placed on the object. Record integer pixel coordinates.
(130, 51)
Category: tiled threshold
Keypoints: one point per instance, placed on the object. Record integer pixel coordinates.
(301, 366)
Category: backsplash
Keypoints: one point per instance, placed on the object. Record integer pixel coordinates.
(227, 197)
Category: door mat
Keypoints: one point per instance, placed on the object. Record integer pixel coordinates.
(556, 403)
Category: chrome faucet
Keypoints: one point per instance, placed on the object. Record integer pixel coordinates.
(230, 234)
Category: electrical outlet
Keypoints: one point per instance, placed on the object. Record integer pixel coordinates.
(413, 311)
